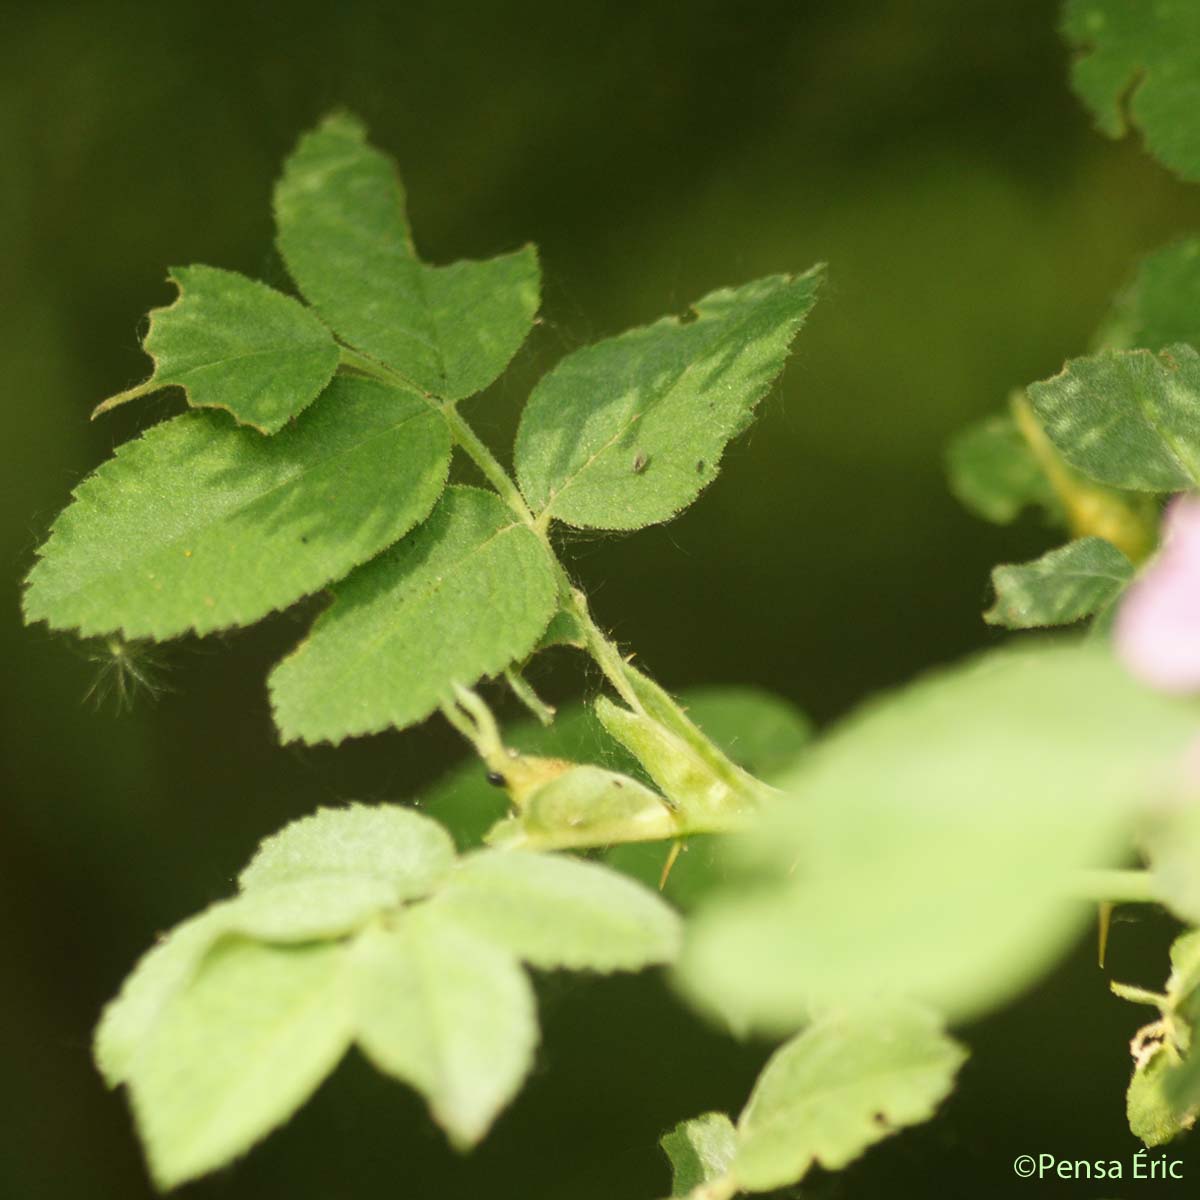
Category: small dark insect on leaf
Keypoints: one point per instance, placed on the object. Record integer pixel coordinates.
(640, 461)
(496, 779)
(700, 467)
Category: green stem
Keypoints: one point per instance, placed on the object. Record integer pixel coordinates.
(605, 653)
(475, 449)
(464, 436)
(524, 692)
(1117, 887)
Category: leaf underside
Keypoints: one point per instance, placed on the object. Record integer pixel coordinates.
(844, 1083)
(236, 1053)
(557, 911)
(967, 799)
(448, 1012)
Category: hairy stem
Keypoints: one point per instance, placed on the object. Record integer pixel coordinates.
(602, 650)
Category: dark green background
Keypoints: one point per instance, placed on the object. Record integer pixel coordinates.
(975, 227)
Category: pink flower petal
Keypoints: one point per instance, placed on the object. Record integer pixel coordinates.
(1157, 631)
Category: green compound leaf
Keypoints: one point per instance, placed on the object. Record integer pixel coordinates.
(1139, 64)
(161, 972)
(700, 1151)
(1129, 419)
(993, 473)
(408, 851)
(1162, 304)
(628, 432)
(339, 208)
(967, 801)
(234, 343)
(845, 1083)
(201, 525)
(470, 592)
(1064, 585)
(555, 911)
(447, 1012)
(236, 1053)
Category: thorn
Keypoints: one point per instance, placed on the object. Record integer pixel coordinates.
(1105, 909)
(672, 855)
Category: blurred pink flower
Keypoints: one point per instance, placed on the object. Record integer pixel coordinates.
(1157, 631)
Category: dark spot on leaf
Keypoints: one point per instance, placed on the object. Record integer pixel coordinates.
(495, 779)
(700, 467)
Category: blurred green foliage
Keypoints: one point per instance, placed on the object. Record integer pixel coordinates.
(975, 228)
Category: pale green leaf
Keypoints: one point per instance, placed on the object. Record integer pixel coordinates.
(1064, 585)
(470, 592)
(1130, 419)
(1183, 985)
(629, 431)
(447, 1012)
(161, 972)
(1162, 304)
(408, 851)
(202, 525)
(845, 1083)
(1164, 1093)
(700, 1151)
(1181, 1084)
(1139, 64)
(236, 1052)
(233, 343)
(1172, 843)
(993, 473)
(1152, 1115)
(312, 907)
(933, 839)
(556, 911)
(305, 909)
(339, 208)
